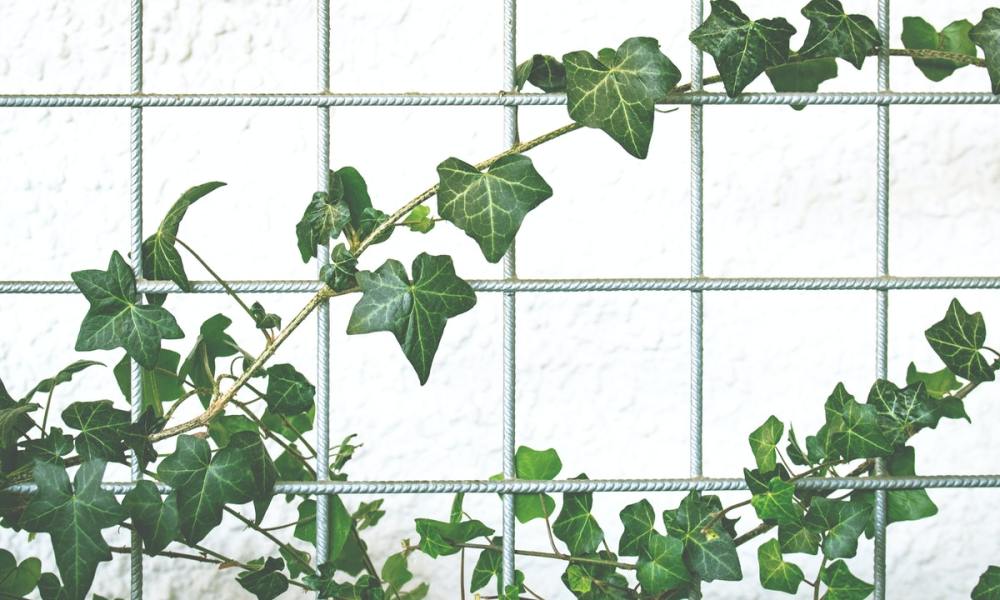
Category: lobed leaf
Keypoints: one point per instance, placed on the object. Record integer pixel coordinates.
(775, 573)
(986, 35)
(918, 34)
(958, 338)
(576, 525)
(835, 34)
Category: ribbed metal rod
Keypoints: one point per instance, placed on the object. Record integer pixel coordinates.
(471, 99)
(697, 314)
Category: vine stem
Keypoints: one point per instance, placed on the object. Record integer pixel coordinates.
(567, 558)
(215, 275)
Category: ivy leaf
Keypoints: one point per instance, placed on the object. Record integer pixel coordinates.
(159, 384)
(904, 505)
(101, 428)
(490, 205)
(802, 76)
(64, 376)
(49, 588)
(371, 218)
(18, 580)
(415, 312)
(136, 436)
(797, 538)
(438, 538)
(842, 585)
(938, 384)
(419, 219)
(777, 503)
(576, 525)
(775, 573)
(14, 422)
(742, 49)
(542, 71)
(986, 35)
(50, 448)
(918, 34)
(455, 514)
(709, 551)
(288, 392)
(395, 572)
(795, 452)
(160, 259)
(842, 523)
(222, 427)
(324, 218)
(639, 523)
(617, 91)
(263, 319)
(764, 441)
(490, 565)
(339, 525)
(116, 320)
(661, 564)
(853, 427)
(291, 428)
(339, 274)
(296, 560)
(589, 581)
(901, 412)
(536, 465)
(835, 34)
(73, 516)
(260, 468)
(153, 516)
(266, 581)
(353, 191)
(958, 338)
(988, 587)
(213, 343)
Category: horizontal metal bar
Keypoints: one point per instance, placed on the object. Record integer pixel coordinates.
(589, 485)
(686, 284)
(471, 99)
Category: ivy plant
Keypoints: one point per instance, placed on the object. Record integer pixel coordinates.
(255, 415)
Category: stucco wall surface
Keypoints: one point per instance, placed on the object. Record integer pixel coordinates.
(603, 378)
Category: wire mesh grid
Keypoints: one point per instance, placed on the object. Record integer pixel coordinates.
(509, 285)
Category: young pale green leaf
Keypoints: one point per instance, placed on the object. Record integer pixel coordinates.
(288, 392)
(938, 384)
(802, 76)
(639, 522)
(73, 516)
(617, 91)
(536, 465)
(160, 258)
(576, 525)
(101, 428)
(266, 582)
(958, 338)
(661, 564)
(415, 312)
(709, 549)
(419, 219)
(63, 376)
(764, 441)
(988, 587)
(17, 580)
(986, 35)
(853, 427)
(339, 525)
(842, 584)
(153, 516)
(324, 218)
(797, 538)
(116, 320)
(438, 538)
(542, 71)
(777, 503)
(213, 343)
(918, 34)
(835, 34)
(901, 412)
(742, 49)
(489, 206)
(842, 522)
(159, 384)
(775, 573)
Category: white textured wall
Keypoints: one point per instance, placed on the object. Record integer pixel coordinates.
(602, 377)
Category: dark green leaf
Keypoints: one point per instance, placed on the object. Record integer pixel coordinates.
(797, 538)
(802, 76)
(592, 581)
(542, 71)
(842, 585)
(904, 505)
(266, 582)
(324, 218)
(835, 34)
(639, 523)
(64, 376)
(73, 516)
(153, 516)
(222, 427)
(49, 588)
(354, 191)
(709, 549)
(775, 573)
(901, 412)
(777, 503)
(296, 560)
(763, 442)
(415, 312)
(918, 34)
(291, 428)
(490, 205)
(795, 452)
(455, 515)
(490, 565)
(395, 572)
(14, 422)
(371, 219)
(101, 428)
(339, 525)
(18, 580)
(288, 393)
(986, 35)
(617, 92)
(842, 523)
(263, 319)
(261, 470)
(340, 273)
(576, 525)
(136, 436)
(159, 384)
(290, 468)
(50, 448)
(661, 564)
(536, 465)
(853, 427)
(438, 538)
(116, 320)
(160, 259)
(988, 587)
(959, 337)
(213, 343)
(742, 49)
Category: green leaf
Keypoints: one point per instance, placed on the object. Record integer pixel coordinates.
(354, 192)
(116, 320)
(51, 448)
(64, 376)
(661, 564)
(835, 34)
(797, 538)
(288, 393)
(742, 49)
(775, 573)
(763, 442)
(853, 427)
(842, 585)
(958, 338)
(338, 524)
(73, 516)
(542, 71)
(592, 581)
(340, 273)
(266, 582)
(576, 525)
(419, 219)
(49, 588)
(222, 427)
(160, 259)
(490, 205)
(261, 469)
(438, 538)
(938, 384)
(777, 503)
(395, 572)
(535, 465)
(296, 560)
(159, 384)
(101, 428)
(18, 580)
(324, 218)
(490, 565)
(842, 523)
(639, 522)
(988, 587)
(14, 422)
(617, 91)
(901, 412)
(153, 516)
(802, 76)
(986, 35)
(918, 34)
(904, 505)
(455, 515)
(795, 452)
(263, 319)
(709, 549)
(213, 343)
(371, 219)
(415, 312)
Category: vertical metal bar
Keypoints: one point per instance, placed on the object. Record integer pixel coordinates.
(509, 304)
(882, 296)
(323, 311)
(697, 252)
(135, 250)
